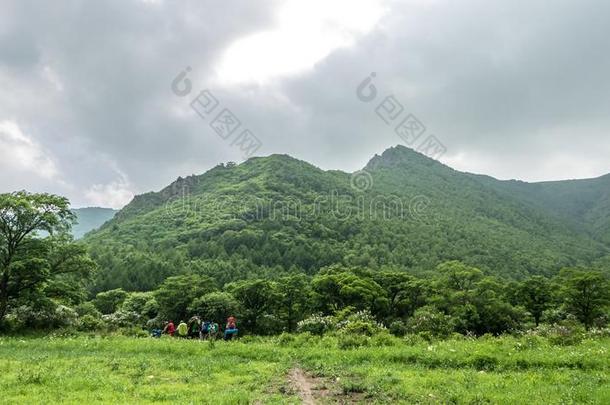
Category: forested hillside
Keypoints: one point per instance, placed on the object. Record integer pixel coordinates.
(275, 215)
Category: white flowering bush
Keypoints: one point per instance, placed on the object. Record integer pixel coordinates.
(45, 317)
(358, 323)
(431, 322)
(317, 324)
(121, 319)
(361, 323)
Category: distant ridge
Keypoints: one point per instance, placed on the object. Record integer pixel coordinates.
(508, 228)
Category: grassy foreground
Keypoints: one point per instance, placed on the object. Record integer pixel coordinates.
(260, 370)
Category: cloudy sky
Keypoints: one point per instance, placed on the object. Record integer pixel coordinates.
(513, 89)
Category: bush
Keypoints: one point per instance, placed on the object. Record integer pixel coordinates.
(108, 302)
(361, 323)
(142, 303)
(87, 308)
(134, 331)
(269, 324)
(431, 322)
(88, 323)
(348, 341)
(46, 315)
(316, 324)
(598, 333)
(384, 339)
(121, 319)
(398, 328)
(285, 339)
(565, 333)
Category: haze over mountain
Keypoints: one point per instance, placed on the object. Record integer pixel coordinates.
(276, 214)
(90, 218)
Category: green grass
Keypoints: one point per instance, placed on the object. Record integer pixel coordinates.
(254, 370)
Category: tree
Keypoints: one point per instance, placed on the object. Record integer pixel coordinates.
(176, 293)
(108, 302)
(336, 289)
(142, 303)
(405, 292)
(585, 293)
(459, 276)
(535, 295)
(215, 306)
(294, 294)
(34, 246)
(257, 298)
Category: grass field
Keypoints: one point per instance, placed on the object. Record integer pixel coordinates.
(302, 368)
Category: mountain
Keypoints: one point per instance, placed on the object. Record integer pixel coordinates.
(276, 214)
(89, 219)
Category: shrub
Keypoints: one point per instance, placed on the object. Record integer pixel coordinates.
(46, 315)
(133, 331)
(121, 319)
(87, 308)
(598, 333)
(108, 302)
(429, 320)
(89, 323)
(565, 333)
(142, 303)
(317, 324)
(398, 328)
(361, 323)
(384, 339)
(286, 339)
(348, 341)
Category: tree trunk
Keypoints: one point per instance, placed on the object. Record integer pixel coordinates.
(3, 296)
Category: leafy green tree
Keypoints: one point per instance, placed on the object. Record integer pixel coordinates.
(108, 302)
(336, 289)
(35, 250)
(257, 298)
(405, 292)
(176, 293)
(459, 276)
(142, 303)
(294, 299)
(216, 306)
(430, 321)
(586, 294)
(493, 312)
(535, 295)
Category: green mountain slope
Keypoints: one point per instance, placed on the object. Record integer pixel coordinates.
(90, 218)
(276, 214)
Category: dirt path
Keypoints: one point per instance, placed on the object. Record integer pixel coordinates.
(302, 384)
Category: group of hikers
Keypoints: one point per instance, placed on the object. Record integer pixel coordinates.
(195, 328)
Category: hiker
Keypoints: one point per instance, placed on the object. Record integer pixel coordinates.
(209, 330)
(231, 328)
(213, 329)
(194, 327)
(203, 332)
(183, 329)
(169, 328)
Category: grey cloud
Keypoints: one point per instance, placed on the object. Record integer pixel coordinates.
(505, 85)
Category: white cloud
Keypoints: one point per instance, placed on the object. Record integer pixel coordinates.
(115, 194)
(51, 76)
(306, 33)
(19, 152)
